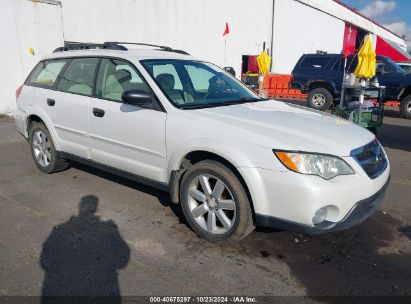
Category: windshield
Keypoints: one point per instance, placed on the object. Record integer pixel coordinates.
(193, 84)
(406, 67)
(395, 67)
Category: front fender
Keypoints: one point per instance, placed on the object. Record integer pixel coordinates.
(227, 151)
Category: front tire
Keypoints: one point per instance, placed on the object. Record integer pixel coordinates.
(320, 99)
(215, 203)
(43, 151)
(405, 107)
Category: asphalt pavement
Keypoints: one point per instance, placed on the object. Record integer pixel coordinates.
(87, 232)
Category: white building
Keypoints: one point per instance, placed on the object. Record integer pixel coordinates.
(288, 28)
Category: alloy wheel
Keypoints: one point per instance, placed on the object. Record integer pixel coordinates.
(41, 148)
(319, 100)
(211, 204)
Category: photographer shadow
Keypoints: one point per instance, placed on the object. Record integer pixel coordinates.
(82, 256)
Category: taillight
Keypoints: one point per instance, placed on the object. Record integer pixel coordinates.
(18, 91)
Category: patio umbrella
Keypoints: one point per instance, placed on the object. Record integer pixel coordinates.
(264, 61)
(366, 60)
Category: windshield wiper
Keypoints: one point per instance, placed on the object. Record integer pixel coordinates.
(199, 106)
(243, 100)
(219, 104)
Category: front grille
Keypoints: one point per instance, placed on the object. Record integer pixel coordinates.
(371, 158)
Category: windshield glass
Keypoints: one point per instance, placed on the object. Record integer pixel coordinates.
(193, 84)
(395, 67)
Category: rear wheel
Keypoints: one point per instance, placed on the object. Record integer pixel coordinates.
(215, 204)
(405, 107)
(320, 99)
(43, 150)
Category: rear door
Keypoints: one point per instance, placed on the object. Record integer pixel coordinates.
(68, 105)
(123, 136)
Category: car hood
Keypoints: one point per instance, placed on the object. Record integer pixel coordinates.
(286, 126)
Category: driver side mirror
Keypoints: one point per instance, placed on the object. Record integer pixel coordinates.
(136, 98)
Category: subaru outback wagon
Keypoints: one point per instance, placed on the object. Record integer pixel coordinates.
(231, 158)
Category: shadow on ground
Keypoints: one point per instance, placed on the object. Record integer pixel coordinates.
(82, 257)
(163, 197)
(370, 259)
(395, 137)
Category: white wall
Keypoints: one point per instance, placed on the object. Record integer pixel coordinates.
(12, 73)
(302, 29)
(25, 24)
(195, 26)
(301, 26)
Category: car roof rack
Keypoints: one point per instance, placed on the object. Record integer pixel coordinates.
(111, 45)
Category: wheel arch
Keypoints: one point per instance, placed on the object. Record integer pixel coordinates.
(404, 92)
(41, 117)
(195, 156)
(321, 84)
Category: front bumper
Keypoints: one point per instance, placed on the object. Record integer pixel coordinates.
(289, 200)
(358, 213)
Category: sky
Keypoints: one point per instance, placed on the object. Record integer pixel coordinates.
(393, 14)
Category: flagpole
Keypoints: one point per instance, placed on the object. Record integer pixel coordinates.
(225, 50)
(343, 83)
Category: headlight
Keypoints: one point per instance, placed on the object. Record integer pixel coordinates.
(325, 166)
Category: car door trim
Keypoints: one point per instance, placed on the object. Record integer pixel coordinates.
(124, 174)
(70, 130)
(127, 146)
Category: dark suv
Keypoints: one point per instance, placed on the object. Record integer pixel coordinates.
(321, 76)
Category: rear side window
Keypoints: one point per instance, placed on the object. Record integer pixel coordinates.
(78, 77)
(314, 62)
(352, 62)
(46, 72)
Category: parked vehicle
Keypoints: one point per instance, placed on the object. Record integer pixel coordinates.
(232, 159)
(406, 66)
(321, 76)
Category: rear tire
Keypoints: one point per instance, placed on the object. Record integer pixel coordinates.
(215, 203)
(320, 99)
(43, 151)
(405, 107)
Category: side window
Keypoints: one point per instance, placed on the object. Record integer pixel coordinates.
(167, 71)
(199, 77)
(45, 73)
(115, 77)
(78, 77)
(339, 65)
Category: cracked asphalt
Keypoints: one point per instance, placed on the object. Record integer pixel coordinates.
(86, 232)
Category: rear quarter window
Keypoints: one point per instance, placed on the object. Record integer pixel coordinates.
(314, 62)
(46, 72)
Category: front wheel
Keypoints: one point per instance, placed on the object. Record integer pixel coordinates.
(215, 203)
(320, 99)
(405, 108)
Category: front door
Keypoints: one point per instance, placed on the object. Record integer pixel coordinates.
(389, 77)
(123, 136)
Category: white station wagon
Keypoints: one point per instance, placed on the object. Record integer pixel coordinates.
(231, 158)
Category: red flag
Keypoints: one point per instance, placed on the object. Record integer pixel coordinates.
(227, 30)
